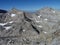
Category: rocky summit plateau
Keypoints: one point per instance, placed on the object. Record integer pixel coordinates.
(41, 27)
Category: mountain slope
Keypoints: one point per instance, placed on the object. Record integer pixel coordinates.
(24, 28)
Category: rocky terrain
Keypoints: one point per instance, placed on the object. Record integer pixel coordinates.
(24, 28)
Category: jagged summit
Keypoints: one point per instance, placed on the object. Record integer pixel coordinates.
(47, 8)
(15, 10)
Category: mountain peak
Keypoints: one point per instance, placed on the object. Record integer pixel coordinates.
(15, 10)
(47, 8)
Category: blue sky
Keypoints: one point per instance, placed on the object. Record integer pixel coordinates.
(29, 5)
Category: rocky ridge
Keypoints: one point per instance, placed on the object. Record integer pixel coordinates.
(22, 28)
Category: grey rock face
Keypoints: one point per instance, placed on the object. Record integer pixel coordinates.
(23, 28)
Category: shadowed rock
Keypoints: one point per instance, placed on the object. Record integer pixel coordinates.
(3, 11)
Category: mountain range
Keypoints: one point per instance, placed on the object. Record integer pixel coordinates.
(41, 27)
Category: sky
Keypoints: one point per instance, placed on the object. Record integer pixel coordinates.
(29, 5)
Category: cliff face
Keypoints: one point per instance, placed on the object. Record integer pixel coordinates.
(23, 28)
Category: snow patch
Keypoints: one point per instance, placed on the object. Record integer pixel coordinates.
(12, 15)
(39, 16)
(45, 32)
(23, 30)
(53, 11)
(2, 24)
(40, 26)
(11, 22)
(45, 19)
(7, 28)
